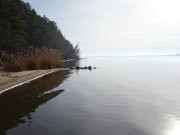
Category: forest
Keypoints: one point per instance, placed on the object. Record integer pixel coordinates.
(21, 27)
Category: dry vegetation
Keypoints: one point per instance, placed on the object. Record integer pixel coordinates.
(33, 59)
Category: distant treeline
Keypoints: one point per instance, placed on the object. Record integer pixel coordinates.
(20, 26)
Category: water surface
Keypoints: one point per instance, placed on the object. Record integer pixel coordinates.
(123, 96)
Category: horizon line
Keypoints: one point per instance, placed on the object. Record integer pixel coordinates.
(149, 55)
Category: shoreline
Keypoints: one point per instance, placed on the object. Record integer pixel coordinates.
(10, 80)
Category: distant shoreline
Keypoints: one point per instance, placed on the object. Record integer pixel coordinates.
(10, 80)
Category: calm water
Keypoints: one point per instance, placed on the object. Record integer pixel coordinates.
(123, 96)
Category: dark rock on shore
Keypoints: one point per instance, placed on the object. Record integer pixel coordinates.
(84, 68)
(77, 67)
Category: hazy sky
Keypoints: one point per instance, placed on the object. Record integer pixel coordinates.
(116, 27)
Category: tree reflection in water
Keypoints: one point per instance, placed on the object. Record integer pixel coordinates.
(21, 101)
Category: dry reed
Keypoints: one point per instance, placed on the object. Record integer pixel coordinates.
(33, 59)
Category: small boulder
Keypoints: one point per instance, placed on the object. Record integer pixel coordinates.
(77, 67)
(89, 67)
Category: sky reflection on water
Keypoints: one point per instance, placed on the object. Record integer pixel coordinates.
(173, 125)
(123, 96)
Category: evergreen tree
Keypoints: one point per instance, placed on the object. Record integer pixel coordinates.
(21, 26)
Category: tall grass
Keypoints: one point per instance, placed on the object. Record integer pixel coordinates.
(33, 59)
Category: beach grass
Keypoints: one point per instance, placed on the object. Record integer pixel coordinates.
(33, 59)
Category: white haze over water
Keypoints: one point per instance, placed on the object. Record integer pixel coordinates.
(116, 27)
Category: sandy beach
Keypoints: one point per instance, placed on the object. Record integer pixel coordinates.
(9, 80)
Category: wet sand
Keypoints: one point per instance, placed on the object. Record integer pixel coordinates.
(9, 80)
